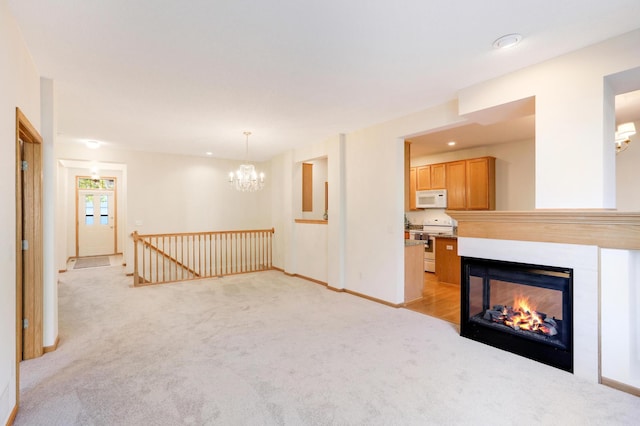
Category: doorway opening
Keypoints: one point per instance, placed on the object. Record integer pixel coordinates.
(96, 216)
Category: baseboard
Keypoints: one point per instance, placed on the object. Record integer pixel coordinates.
(53, 347)
(12, 416)
(313, 280)
(621, 386)
(373, 299)
(344, 290)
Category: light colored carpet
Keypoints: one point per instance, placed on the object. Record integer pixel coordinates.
(91, 262)
(268, 349)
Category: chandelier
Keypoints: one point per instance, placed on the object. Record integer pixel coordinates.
(246, 179)
(623, 136)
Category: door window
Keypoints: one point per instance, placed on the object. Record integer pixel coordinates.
(88, 210)
(104, 210)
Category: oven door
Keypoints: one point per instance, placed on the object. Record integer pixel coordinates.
(430, 255)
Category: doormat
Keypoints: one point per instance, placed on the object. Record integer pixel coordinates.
(92, 262)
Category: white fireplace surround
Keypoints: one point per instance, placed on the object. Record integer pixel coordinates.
(583, 260)
(603, 249)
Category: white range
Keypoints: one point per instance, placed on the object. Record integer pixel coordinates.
(432, 228)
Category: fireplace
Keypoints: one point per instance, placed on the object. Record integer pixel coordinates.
(521, 308)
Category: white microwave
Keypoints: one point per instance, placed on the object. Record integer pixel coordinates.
(432, 199)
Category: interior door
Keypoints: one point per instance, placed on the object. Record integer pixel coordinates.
(96, 223)
(29, 258)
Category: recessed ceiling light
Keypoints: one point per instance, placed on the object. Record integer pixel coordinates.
(451, 143)
(507, 41)
(209, 153)
(92, 144)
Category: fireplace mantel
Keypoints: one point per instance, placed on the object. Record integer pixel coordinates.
(603, 228)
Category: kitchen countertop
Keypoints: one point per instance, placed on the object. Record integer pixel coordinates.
(409, 243)
(454, 236)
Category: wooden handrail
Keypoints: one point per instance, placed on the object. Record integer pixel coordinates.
(160, 258)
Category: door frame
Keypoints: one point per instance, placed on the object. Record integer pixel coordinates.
(29, 292)
(115, 211)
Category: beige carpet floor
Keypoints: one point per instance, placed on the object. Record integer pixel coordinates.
(268, 349)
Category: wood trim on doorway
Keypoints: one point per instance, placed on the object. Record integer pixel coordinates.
(29, 282)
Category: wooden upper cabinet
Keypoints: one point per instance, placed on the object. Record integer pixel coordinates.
(438, 174)
(423, 178)
(412, 188)
(431, 176)
(481, 183)
(456, 183)
(470, 184)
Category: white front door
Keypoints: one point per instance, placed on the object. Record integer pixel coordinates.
(96, 223)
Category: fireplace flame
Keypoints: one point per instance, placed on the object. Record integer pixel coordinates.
(523, 316)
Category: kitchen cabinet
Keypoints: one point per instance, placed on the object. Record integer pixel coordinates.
(423, 178)
(448, 268)
(431, 176)
(471, 184)
(438, 173)
(413, 272)
(481, 183)
(456, 185)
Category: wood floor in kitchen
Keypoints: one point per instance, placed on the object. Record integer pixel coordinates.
(439, 300)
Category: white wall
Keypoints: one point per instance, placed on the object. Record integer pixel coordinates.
(282, 210)
(168, 193)
(337, 256)
(49, 188)
(311, 247)
(374, 202)
(620, 283)
(312, 250)
(20, 87)
(575, 156)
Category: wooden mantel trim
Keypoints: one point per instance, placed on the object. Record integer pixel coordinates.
(603, 228)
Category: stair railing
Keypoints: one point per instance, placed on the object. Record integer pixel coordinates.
(163, 258)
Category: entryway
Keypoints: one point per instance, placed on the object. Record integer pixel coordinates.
(96, 216)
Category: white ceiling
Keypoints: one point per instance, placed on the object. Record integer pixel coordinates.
(190, 77)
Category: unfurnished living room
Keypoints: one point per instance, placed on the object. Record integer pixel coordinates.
(319, 212)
